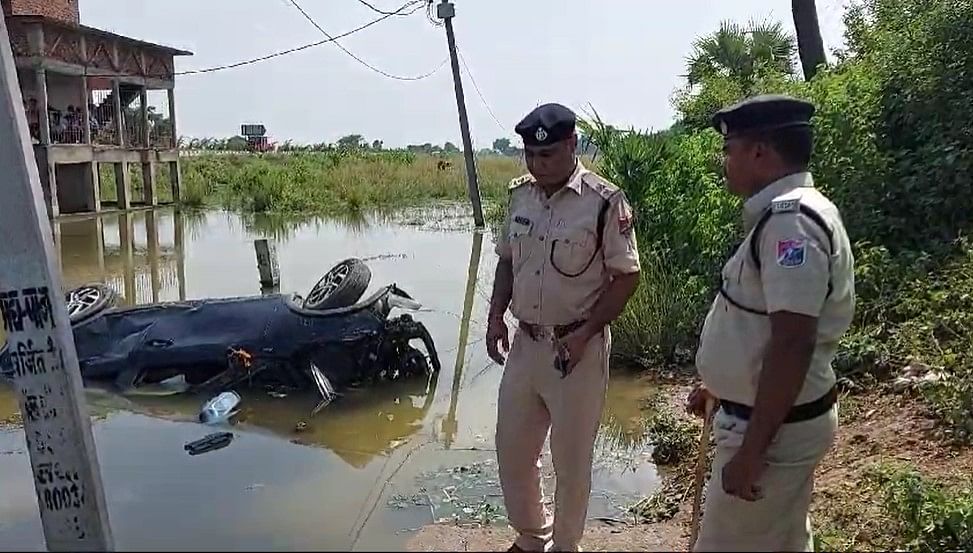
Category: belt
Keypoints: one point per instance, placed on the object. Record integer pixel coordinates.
(798, 413)
(560, 331)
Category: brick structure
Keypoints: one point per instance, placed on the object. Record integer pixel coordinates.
(67, 11)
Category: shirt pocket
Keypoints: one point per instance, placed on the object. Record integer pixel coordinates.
(572, 250)
(518, 237)
(742, 284)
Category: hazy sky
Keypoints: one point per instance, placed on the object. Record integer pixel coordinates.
(624, 57)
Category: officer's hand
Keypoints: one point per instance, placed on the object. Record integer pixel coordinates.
(497, 334)
(573, 348)
(696, 402)
(740, 475)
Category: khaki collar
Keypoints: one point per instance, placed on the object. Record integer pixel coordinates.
(756, 204)
(574, 181)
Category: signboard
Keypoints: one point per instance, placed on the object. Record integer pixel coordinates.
(252, 130)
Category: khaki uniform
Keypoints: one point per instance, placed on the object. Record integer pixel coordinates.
(798, 262)
(558, 274)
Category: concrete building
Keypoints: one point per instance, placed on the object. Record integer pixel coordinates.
(86, 96)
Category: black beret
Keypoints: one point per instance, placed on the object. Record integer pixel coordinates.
(763, 113)
(546, 125)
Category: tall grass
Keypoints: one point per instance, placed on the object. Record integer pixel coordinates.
(332, 183)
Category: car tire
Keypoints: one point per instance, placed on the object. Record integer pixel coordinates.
(341, 286)
(86, 302)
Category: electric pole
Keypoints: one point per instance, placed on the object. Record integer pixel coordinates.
(41, 350)
(446, 11)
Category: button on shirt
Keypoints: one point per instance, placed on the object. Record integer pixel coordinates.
(796, 263)
(558, 269)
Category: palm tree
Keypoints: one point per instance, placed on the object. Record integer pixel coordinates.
(739, 52)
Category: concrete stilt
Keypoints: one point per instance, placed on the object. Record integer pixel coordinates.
(123, 184)
(150, 192)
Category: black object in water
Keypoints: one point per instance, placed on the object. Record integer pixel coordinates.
(211, 442)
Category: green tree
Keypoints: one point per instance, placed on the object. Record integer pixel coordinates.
(351, 142)
(450, 148)
(738, 51)
(502, 146)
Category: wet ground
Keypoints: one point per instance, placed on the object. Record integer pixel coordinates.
(369, 468)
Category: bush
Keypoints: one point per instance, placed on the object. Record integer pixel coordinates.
(927, 516)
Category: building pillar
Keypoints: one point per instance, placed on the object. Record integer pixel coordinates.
(144, 117)
(126, 239)
(150, 192)
(123, 184)
(92, 184)
(42, 104)
(152, 241)
(172, 119)
(85, 112)
(119, 120)
(175, 180)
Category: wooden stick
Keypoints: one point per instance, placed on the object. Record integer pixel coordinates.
(701, 468)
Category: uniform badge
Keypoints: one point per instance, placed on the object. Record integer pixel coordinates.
(791, 253)
(540, 134)
(625, 221)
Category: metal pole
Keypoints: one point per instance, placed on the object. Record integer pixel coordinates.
(446, 12)
(65, 469)
(450, 425)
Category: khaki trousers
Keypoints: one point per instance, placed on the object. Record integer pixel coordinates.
(534, 399)
(778, 521)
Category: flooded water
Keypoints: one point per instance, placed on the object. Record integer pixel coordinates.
(369, 468)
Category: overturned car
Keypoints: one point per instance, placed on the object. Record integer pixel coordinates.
(329, 340)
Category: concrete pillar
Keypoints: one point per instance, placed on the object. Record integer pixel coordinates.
(152, 240)
(144, 117)
(117, 106)
(150, 192)
(172, 120)
(175, 179)
(42, 105)
(126, 239)
(85, 111)
(179, 239)
(100, 244)
(92, 190)
(123, 184)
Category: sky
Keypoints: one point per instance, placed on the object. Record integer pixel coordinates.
(624, 58)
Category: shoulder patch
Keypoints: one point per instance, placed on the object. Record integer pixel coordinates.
(605, 188)
(521, 180)
(791, 252)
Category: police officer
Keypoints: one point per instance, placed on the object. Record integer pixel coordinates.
(568, 263)
(767, 344)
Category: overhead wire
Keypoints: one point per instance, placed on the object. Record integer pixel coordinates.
(359, 60)
(376, 10)
(417, 3)
(478, 92)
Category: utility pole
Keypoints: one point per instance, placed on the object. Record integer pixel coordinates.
(446, 11)
(41, 350)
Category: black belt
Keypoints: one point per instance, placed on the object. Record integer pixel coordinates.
(560, 331)
(798, 413)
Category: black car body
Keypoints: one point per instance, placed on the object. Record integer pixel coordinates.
(272, 339)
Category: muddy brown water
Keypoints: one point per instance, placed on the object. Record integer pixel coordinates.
(370, 468)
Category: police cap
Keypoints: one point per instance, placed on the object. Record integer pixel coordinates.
(546, 125)
(763, 113)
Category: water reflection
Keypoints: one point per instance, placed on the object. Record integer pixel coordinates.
(356, 453)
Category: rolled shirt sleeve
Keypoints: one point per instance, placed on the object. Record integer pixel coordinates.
(795, 264)
(620, 246)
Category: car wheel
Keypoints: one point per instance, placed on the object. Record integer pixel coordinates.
(85, 302)
(342, 286)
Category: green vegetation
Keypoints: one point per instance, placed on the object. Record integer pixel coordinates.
(337, 181)
(893, 151)
(927, 515)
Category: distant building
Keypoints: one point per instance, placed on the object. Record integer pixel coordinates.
(85, 95)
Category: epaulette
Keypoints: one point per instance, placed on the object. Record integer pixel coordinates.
(519, 181)
(786, 203)
(604, 187)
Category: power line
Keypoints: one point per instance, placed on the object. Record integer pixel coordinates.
(359, 60)
(303, 47)
(478, 93)
(376, 10)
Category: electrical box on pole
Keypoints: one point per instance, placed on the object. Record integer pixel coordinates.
(41, 355)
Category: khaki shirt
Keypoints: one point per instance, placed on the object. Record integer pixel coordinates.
(796, 264)
(558, 270)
